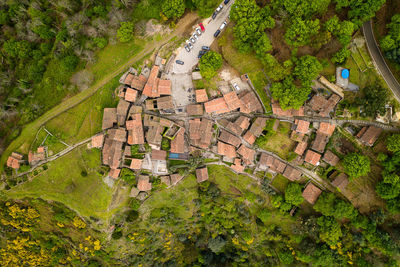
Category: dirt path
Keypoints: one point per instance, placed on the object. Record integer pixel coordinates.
(30, 129)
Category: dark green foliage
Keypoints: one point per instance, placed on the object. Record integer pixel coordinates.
(293, 194)
(128, 176)
(134, 204)
(125, 32)
(84, 173)
(116, 235)
(356, 165)
(205, 8)
(329, 205)
(341, 56)
(307, 68)
(373, 101)
(301, 31)
(289, 95)
(173, 9)
(132, 215)
(209, 64)
(393, 143)
(330, 230)
(165, 144)
(363, 10)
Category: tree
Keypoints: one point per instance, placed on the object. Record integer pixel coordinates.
(388, 43)
(363, 10)
(293, 194)
(300, 31)
(216, 244)
(393, 143)
(205, 7)
(374, 101)
(288, 94)
(209, 64)
(307, 68)
(330, 230)
(173, 9)
(341, 56)
(125, 31)
(262, 46)
(356, 165)
(329, 205)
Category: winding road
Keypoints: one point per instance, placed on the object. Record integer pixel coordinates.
(379, 60)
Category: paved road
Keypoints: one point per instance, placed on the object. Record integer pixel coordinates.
(205, 39)
(379, 60)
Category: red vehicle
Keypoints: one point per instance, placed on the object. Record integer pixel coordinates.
(202, 27)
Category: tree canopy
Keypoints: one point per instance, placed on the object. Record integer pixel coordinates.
(373, 101)
(173, 9)
(356, 165)
(393, 143)
(209, 63)
(293, 194)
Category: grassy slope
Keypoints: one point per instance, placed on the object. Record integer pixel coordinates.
(280, 143)
(244, 63)
(63, 182)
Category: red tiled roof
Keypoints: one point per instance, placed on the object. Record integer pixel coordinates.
(243, 122)
(114, 173)
(312, 157)
(300, 148)
(249, 137)
(250, 102)
(138, 82)
(292, 174)
(330, 158)
(178, 143)
(13, 162)
(320, 142)
(247, 154)
(130, 95)
(311, 193)
(258, 126)
(266, 160)
(109, 118)
(237, 166)
(217, 105)
(135, 130)
(370, 136)
(232, 100)
(302, 126)
(151, 87)
(194, 129)
(136, 164)
(194, 109)
(226, 150)
(229, 138)
(201, 95)
(201, 174)
(278, 166)
(112, 153)
(164, 87)
(117, 134)
(206, 132)
(97, 141)
(144, 183)
(326, 128)
(128, 79)
(175, 178)
(158, 154)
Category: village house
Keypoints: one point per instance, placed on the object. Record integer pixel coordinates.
(131, 95)
(201, 96)
(247, 154)
(322, 106)
(216, 106)
(250, 102)
(112, 150)
(341, 182)
(200, 132)
(155, 87)
(300, 148)
(144, 183)
(369, 135)
(39, 155)
(109, 118)
(135, 129)
(114, 173)
(232, 101)
(136, 164)
(237, 166)
(312, 157)
(175, 178)
(278, 111)
(226, 150)
(291, 173)
(255, 130)
(159, 162)
(330, 158)
(311, 193)
(241, 124)
(178, 143)
(14, 160)
(97, 141)
(202, 174)
(324, 132)
(302, 126)
(195, 110)
(229, 138)
(122, 111)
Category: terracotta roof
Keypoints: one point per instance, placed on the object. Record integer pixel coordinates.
(122, 111)
(178, 143)
(291, 173)
(164, 87)
(40, 149)
(131, 95)
(311, 193)
(318, 102)
(114, 173)
(135, 109)
(371, 135)
(277, 110)
(128, 79)
(266, 160)
(217, 106)
(144, 183)
(330, 105)
(13, 162)
(226, 150)
(33, 157)
(97, 140)
(302, 126)
(136, 164)
(250, 102)
(201, 95)
(117, 134)
(158, 154)
(300, 148)
(237, 166)
(194, 129)
(312, 157)
(326, 128)
(109, 118)
(278, 166)
(151, 87)
(249, 137)
(362, 131)
(138, 82)
(229, 138)
(206, 132)
(341, 181)
(232, 100)
(320, 142)
(295, 136)
(247, 154)
(135, 130)
(258, 126)
(154, 135)
(175, 178)
(112, 153)
(233, 127)
(243, 122)
(202, 174)
(330, 158)
(166, 180)
(165, 102)
(127, 151)
(195, 109)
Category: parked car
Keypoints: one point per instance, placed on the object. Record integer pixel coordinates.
(226, 2)
(207, 48)
(190, 46)
(192, 40)
(236, 86)
(217, 33)
(219, 8)
(198, 31)
(180, 62)
(202, 27)
(187, 48)
(201, 53)
(214, 15)
(222, 26)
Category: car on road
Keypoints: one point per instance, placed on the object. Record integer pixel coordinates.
(222, 26)
(219, 8)
(201, 53)
(180, 62)
(206, 48)
(202, 27)
(198, 31)
(226, 2)
(236, 86)
(189, 44)
(217, 33)
(192, 40)
(214, 15)
(195, 36)
(187, 48)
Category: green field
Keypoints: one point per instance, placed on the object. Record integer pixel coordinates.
(280, 183)
(63, 182)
